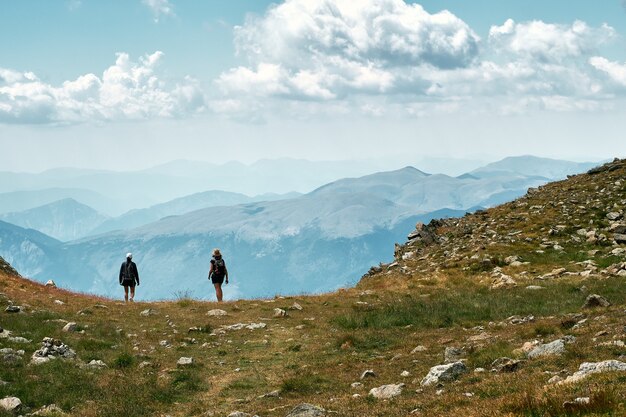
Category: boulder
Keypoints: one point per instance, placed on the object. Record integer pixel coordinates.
(453, 354)
(385, 392)
(369, 373)
(51, 283)
(307, 410)
(279, 312)
(96, 364)
(588, 368)
(556, 347)
(505, 365)
(613, 216)
(419, 348)
(184, 361)
(296, 306)
(444, 373)
(216, 312)
(595, 300)
(148, 312)
(70, 327)
(13, 309)
(619, 238)
(11, 404)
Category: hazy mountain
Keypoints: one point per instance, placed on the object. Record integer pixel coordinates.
(64, 220)
(528, 165)
(139, 217)
(27, 199)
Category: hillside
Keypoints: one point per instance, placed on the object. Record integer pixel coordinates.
(502, 296)
(64, 220)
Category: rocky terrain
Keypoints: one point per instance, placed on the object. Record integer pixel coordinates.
(515, 310)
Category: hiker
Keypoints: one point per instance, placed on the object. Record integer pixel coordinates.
(129, 277)
(218, 272)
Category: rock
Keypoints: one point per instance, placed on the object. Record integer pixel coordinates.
(502, 281)
(595, 300)
(239, 414)
(248, 326)
(296, 306)
(505, 365)
(405, 374)
(49, 410)
(13, 309)
(453, 354)
(216, 312)
(385, 392)
(619, 238)
(419, 348)
(556, 347)
(51, 283)
(70, 327)
(11, 404)
(534, 287)
(273, 394)
(59, 302)
(148, 312)
(511, 259)
(52, 349)
(356, 385)
(588, 368)
(613, 216)
(96, 364)
(279, 312)
(307, 410)
(555, 380)
(184, 361)
(444, 373)
(573, 405)
(368, 374)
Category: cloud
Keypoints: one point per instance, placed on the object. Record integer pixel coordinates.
(126, 90)
(547, 42)
(616, 71)
(159, 8)
(304, 55)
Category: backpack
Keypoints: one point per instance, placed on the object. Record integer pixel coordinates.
(219, 267)
(129, 273)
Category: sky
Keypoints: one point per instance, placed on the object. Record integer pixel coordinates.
(130, 84)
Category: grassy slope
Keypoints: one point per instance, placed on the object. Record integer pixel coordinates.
(438, 298)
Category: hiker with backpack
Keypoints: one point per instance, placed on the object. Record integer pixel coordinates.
(129, 277)
(218, 272)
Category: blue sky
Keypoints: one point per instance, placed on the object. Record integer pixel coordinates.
(169, 79)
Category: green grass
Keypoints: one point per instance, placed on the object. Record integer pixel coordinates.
(483, 358)
(306, 384)
(124, 360)
(471, 305)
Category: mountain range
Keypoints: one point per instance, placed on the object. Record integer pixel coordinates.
(309, 243)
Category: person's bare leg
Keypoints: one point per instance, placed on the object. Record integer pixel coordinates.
(125, 292)
(132, 293)
(218, 291)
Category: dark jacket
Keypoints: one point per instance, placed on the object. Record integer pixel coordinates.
(129, 274)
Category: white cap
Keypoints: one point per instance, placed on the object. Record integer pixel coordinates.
(129, 255)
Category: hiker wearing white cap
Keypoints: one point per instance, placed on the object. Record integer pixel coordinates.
(218, 272)
(129, 276)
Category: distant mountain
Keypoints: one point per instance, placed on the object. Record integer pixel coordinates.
(64, 220)
(546, 168)
(27, 199)
(139, 217)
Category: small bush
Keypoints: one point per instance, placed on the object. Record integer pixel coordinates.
(124, 360)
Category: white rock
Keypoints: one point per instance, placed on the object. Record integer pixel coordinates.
(296, 306)
(588, 368)
(148, 312)
(11, 404)
(405, 374)
(184, 361)
(96, 364)
(58, 302)
(441, 373)
(70, 327)
(216, 312)
(307, 410)
(369, 373)
(556, 347)
(419, 348)
(279, 312)
(356, 385)
(386, 391)
(51, 283)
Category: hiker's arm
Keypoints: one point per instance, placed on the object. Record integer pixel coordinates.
(226, 269)
(211, 269)
(137, 274)
(121, 272)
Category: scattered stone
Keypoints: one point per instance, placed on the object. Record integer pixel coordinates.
(216, 312)
(479, 370)
(70, 327)
(419, 348)
(588, 368)
(249, 326)
(555, 380)
(534, 287)
(573, 405)
(49, 410)
(96, 364)
(279, 312)
(296, 306)
(613, 216)
(59, 302)
(11, 404)
(368, 374)
(273, 394)
(385, 392)
(10, 356)
(356, 385)
(595, 300)
(13, 309)
(453, 354)
(505, 365)
(239, 414)
(184, 361)
(619, 238)
(148, 312)
(51, 283)
(307, 410)
(405, 374)
(521, 320)
(444, 373)
(556, 347)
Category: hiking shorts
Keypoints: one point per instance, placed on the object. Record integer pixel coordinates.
(128, 283)
(217, 279)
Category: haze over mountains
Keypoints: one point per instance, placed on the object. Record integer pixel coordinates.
(289, 243)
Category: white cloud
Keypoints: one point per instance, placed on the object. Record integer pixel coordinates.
(616, 71)
(548, 42)
(373, 54)
(159, 8)
(127, 90)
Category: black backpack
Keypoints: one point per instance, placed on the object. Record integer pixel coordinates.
(219, 267)
(129, 272)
